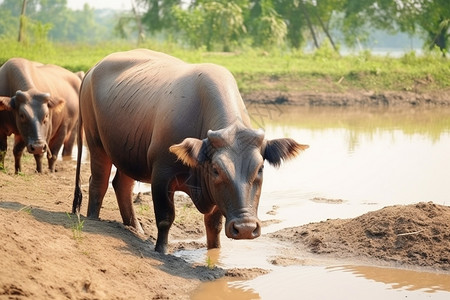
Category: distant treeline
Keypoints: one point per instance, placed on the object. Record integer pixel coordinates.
(225, 25)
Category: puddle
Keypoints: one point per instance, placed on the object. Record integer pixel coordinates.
(340, 282)
(311, 280)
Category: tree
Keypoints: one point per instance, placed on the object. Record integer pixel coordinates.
(265, 25)
(431, 17)
(131, 22)
(159, 16)
(211, 23)
(22, 21)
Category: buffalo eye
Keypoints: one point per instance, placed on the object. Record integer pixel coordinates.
(260, 171)
(215, 171)
(22, 117)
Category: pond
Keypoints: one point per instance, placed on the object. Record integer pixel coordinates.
(359, 160)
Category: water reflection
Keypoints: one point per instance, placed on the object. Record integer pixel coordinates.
(401, 279)
(351, 282)
(224, 289)
(335, 282)
(369, 158)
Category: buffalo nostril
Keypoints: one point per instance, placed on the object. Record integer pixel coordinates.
(257, 232)
(37, 148)
(247, 229)
(234, 230)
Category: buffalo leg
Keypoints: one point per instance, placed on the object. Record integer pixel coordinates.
(19, 145)
(164, 211)
(69, 142)
(213, 224)
(98, 183)
(3, 148)
(54, 146)
(38, 159)
(123, 187)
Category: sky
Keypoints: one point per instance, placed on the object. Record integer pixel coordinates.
(113, 4)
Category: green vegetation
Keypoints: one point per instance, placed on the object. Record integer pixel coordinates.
(27, 209)
(258, 70)
(210, 263)
(76, 226)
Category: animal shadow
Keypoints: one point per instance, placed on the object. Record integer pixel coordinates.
(137, 246)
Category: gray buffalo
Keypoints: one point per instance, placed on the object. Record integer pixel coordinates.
(39, 105)
(180, 127)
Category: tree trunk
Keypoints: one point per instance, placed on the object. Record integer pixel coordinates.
(325, 29)
(440, 39)
(138, 23)
(308, 20)
(21, 21)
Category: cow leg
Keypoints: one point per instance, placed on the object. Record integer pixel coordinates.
(19, 145)
(123, 187)
(213, 224)
(3, 148)
(98, 183)
(164, 211)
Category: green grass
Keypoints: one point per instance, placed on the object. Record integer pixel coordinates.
(280, 70)
(77, 227)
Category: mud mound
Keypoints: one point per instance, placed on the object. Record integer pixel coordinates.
(417, 234)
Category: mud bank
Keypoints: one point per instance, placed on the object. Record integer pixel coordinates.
(356, 98)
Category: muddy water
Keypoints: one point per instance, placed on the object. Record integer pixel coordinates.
(358, 161)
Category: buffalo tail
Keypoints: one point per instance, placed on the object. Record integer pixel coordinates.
(78, 195)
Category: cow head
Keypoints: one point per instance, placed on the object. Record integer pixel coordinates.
(32, 111)
(232, 162)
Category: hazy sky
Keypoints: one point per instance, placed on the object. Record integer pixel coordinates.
(114, 4)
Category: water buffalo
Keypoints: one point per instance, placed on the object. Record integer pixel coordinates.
(178, 126)
(39, 105)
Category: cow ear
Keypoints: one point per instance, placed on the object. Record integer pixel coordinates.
(191, 151)
(56, 104)
(6, 103)
(282, 149)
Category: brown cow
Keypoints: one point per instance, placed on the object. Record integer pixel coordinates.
(178, 126)
(39, 105)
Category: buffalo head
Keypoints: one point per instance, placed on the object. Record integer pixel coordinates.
(32, 111)
(231, 161)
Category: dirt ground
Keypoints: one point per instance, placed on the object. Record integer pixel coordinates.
(352, 98)
(408, 236)
(47, 253)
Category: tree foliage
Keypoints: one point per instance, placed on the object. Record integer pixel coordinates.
(50, 20)
(229, 24)
(430, 17)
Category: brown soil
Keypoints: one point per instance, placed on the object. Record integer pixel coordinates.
(46, 253)
(352, 98)
(416, 235)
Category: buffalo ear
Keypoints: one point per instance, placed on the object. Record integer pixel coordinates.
(282, 149)
(190, 151)
(56, 104)
(6, 103)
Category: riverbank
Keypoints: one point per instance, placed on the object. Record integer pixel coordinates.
(354, 98)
